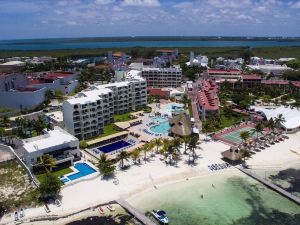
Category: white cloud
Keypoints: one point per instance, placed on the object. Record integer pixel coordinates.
(104, 2)
(183, 5)
(59, 12)
(143, 3)
(295, 5)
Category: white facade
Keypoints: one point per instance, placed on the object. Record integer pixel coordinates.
(163, 77)
(270, 68)
(62, 146)
(86, 115)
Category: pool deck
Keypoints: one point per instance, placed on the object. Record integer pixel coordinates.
(271, 185)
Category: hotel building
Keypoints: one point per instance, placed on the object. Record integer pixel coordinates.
(86, 114)
(162, 77)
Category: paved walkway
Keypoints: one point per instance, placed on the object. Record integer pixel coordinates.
(145, 220)
(271, 185)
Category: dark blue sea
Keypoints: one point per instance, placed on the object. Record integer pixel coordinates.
(80, 43)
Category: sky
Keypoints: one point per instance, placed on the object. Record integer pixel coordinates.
(23, 19)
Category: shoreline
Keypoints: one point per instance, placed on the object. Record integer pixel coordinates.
(154, 174)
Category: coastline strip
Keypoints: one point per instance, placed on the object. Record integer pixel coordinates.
(133, 211)
(271, 185)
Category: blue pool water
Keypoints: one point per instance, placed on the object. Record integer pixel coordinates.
(163, 126)
(84, 170)
(114, 146)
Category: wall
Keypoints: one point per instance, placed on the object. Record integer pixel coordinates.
(26, 99)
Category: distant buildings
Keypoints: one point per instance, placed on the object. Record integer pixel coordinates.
(276, 70)
(21, 91)
(59, 144)
(163, 77)
(86, 115)
(221, 74)
(200, 60)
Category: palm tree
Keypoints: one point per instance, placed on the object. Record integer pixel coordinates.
(146, 148)
(136, 154)
(244, 135)
(106, 166)
(271, 124)
(186, 140)
(176, 143)
(192, 147)
(47, 162)
(279, 120)
(123, 155)
(157, 143)
(245, 154)
(258, 129)
(185, 100)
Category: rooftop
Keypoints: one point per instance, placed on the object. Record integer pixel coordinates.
(221, 71)
(53, 138)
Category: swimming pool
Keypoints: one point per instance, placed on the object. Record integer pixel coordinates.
(162, 127)
(113, 146)
(84, 169)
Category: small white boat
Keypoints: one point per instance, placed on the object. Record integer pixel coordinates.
(161, 216)
(110, 207)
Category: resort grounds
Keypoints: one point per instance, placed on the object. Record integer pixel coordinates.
(153, 174)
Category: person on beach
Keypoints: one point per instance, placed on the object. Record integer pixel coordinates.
(213, 185)
(202, 196)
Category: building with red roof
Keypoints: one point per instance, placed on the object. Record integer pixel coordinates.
(207, 100)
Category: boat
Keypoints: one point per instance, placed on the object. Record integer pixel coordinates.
(101, 210)
(161, 216)
(110, 207)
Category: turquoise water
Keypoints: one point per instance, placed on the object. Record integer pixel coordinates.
(234, 200)
(84, 170)
(163, 126)
(77, 43)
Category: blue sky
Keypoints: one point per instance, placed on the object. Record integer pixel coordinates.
(89, 18)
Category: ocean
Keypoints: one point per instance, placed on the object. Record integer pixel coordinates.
(221, 199)
(83, 43)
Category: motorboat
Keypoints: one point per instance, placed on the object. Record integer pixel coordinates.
(161, 216)
(110, 207)
(101, 210)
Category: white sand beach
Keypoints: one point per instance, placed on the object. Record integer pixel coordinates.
(154, 173)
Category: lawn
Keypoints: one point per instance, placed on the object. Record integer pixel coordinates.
(16, 190)
(58, 173)
(190, 109)
(228, 120)
(122, 117)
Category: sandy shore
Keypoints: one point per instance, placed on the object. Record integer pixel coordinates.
(154, 173)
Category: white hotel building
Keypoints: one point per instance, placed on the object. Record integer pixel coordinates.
(163, 77)
(86, 115)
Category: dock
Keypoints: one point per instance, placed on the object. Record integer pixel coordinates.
(133, 211)
(271, 185)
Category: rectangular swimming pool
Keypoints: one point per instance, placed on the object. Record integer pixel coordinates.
(84, 170)
(113, 146)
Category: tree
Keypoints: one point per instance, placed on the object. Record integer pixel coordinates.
(146, 148)
(258, 129)
(176, 144)
(244, 135)
(279, 120)
(47, 162)
(83, 144)
(157, 142)
(106, 166)
(123, 155)
(59, 95)
(192, 147)
(271, 124)
(185, 100)
(245, 154)
(39, 125)
(50, 186)
(136, 154)
(186, 140)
